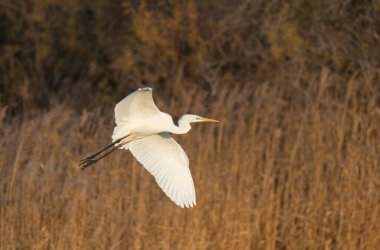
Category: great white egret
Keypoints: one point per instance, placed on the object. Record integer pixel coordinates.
(146, 131)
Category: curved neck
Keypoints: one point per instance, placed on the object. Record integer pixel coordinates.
(183, 126)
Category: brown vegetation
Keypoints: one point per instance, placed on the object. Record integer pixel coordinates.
(294, 164)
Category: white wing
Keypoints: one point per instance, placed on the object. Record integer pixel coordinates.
(133, 109)
(164, 158)
(135, 106)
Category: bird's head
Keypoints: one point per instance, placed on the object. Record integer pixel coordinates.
(196, 118)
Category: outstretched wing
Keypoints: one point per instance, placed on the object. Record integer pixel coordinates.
(164, 158)
(135, 106)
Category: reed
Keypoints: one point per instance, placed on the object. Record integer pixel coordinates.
(287, 168)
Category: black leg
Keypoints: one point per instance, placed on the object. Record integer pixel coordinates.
(92, 161)
(104, 149)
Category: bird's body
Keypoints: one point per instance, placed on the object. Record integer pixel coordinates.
(146, 131)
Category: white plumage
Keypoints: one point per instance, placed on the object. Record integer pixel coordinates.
(146, 131)
(164, 158)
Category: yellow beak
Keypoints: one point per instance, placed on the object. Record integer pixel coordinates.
(208, 120)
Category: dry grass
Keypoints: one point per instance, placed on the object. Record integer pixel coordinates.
(288, 168)
(295, 163)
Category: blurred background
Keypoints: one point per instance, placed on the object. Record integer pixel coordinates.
(294, 164)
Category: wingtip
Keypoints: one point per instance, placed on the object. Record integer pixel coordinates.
(189, 204)
(145, 89)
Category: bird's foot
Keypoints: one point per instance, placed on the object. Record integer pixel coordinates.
(87, 162)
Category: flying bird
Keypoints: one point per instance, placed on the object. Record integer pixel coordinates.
(147, 132)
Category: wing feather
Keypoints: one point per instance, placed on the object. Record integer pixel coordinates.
(137, 105)
(164, 158)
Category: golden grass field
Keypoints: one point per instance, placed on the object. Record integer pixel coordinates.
(285, 169)
(294, 163)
